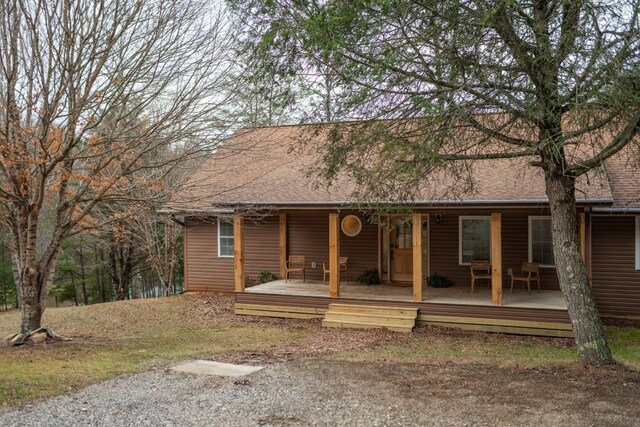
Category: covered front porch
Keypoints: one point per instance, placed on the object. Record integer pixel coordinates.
(407, 251)
(545, 299)
(402, 253)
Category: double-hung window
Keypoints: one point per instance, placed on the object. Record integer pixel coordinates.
(225, 237)
(540, 243)
(475, 238)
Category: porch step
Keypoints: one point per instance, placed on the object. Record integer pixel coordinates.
(401, 319)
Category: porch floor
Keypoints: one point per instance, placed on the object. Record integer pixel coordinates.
(454, 295)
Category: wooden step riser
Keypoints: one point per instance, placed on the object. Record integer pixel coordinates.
(401, 311)
(279, 314)
(343, 317)
(331, 324)
(363, 316)
(406, 313)
(373, 315)
(387, 307)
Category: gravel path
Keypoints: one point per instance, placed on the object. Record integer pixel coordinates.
(312, 392)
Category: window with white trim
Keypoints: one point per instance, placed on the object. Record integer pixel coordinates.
(225, 237)
(540, 241)
(474, 238)
(638, 242)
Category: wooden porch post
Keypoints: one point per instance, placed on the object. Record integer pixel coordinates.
(427, 272)
(334, 255)
(283, 244)
(496, 258)
(238, 253)
(417, 257)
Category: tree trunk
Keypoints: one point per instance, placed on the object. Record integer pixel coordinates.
(169, 288)
(121, 269)
(572, 272)
(75, 290)
(5, 281)
(83, 281)
(31, 306)
(16, 279)
(99, 285)
(106, 296)
(122, 289)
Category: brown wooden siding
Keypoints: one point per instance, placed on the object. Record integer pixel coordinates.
(454, 310)
(308, 235)
(616, 282)
(308, 232)
(444, 245)
(204, 270)
(261, 246)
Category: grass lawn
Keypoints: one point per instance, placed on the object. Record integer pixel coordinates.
(130, 336)
(114, 338)
(448, 345)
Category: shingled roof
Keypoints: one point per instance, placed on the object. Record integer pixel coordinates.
(268, 166)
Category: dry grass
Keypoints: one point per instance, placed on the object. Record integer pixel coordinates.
(114, 338)
(435, 345)
(130, 336)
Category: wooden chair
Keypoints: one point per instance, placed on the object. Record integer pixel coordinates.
(529, 272)
(343, 267)
(295, 264)
(480, 270)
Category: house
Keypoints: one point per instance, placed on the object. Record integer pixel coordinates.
(253, 204)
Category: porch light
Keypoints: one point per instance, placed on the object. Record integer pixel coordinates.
(351, 225)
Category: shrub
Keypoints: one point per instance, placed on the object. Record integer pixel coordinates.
(265, 276)
(437, 281)
(369, 277)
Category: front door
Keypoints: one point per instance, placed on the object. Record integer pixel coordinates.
(401, 241)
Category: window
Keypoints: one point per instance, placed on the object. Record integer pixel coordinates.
(404, 234)
(540, 244)
(638, 242)
(225, 237)
(475, 238)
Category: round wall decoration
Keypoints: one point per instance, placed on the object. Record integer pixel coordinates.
(351, 225)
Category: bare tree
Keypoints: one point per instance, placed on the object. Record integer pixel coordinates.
(160, 237)
(87, 90)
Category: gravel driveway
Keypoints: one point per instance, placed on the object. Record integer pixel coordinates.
(315, 392)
